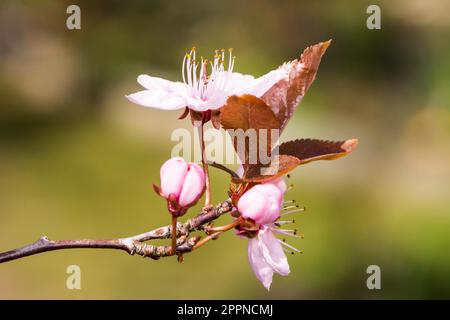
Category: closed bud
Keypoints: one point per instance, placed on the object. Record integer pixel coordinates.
(182, 184)
(262, 203)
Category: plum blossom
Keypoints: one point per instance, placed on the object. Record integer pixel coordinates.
(263, 204)
(182, 184)
(206, 84)
(266, 256)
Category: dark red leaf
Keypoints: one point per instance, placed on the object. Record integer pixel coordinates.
(297, 152)
(248, 112)
(286, 94)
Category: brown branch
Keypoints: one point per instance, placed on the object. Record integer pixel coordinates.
(134, 244)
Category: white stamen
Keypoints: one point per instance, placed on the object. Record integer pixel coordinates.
(281, 222)
(287, 232)
(195, 74)
(292, 211)
(289, 246)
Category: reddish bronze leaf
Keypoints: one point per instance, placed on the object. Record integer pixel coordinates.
(286, 94)
(248, 113)
(308, 150)
(297, 152)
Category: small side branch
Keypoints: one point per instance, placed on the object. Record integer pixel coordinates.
(134, 244)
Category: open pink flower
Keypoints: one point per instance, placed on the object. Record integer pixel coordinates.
(182, 184)
(263, 204)
(206, 85)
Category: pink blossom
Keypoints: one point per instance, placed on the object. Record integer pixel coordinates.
(182, 182)
(206, 85)
(266, 256)
(263, 204)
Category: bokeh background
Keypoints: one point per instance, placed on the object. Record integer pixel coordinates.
(77, 159)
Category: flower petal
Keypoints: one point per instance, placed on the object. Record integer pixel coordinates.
(261, 85)
(253, 204)
(173, 173)
(262, 203)
(272, 252)
(157, 99)
(260, 267)
(274, 202)
(211, 103)
(238, 81)
(279, 183)
(193, 186)
(155, 83)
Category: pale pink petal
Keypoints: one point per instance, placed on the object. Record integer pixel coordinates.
(261, 85)
(237, 81)
(279, 183)
(262, 203)
(260, 267)
(272, 252)
(157, 99)
(173, 173)
(160, 84)
(253, 204)
(274, 202)
(211, 103)
(194, 184)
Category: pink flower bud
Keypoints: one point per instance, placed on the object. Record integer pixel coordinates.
(182, 182)
(262, 203)
(172, 174)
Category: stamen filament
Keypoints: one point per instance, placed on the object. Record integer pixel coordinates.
(195, 74)
(289, 246)
(293, 211)
(290, 207)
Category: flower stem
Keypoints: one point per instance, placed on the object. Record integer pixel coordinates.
(205, 167)
(174, 235)
(216, 232)
(225, 227)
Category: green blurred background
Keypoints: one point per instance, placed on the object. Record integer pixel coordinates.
(77, 159)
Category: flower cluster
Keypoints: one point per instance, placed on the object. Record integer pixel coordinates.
(240, 101)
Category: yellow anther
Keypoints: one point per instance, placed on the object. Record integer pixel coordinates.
(223, 50)
(230, 49)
